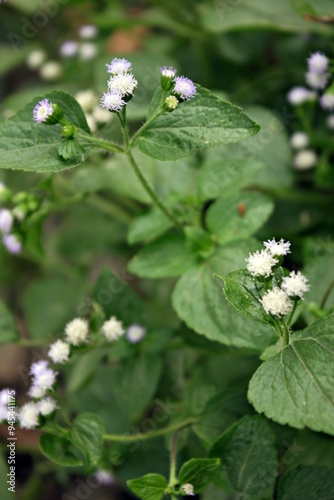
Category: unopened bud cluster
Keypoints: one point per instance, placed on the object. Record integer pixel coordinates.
(279, 298)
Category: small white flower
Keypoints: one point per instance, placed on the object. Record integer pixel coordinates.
(36, 58)
(112, 101)
(59, 352)
(88, 31)
(299, 95)
(113, 329)
(261, 263)
(76, 331)
(69, 48)
(305, 159)
(317, 80)
(4, 397)
(36, 392)
(45, 380)
(188, 489)
(330, 121)
(135, 333)
(299, 140)
(46, 406)
(118, 66)
(295, 285)
(51, 71)
(277, 248)
(87, 51)
(3, 413)
(168, 71)
(87, 99)
(39, 367)
(124, 83)
(276, 302)
(327, 101)
(28, 416)
(6, 220)
(12, 243)
(317, 63)
(104, 477)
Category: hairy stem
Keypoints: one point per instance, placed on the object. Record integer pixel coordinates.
(100, 143)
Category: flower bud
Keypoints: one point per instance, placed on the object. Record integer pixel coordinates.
(171, 103)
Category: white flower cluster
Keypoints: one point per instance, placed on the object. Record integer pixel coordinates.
(41, 391)
(317, 78)
(121, 85)
(278, 300)
(76, 333)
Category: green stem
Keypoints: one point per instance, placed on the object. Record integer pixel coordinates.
(150, 191)
(283, 331)
(307, 197)
(31, 342)
(100, 143)
(124, 124)
(173, 453)
(135, 138)
(292, 313)
(129, 438)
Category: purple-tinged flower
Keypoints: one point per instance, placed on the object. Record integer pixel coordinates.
(118, 66)
(112, 101)
(135, 333)
(39, 367)
(317, 63)
(125, 83)
(298, 95)
(184, 88)
(317, 80)
(42, 111)
(327, 101)
(6, 220)
(69, 48)
(88, 31)
(104, 477)
(12, 243)
(168, 71)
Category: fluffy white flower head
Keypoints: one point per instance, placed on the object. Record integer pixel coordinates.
(112, 101)
(39, 367)
(45, 379)
(3, 413)
(36, 392)
(330, 121)
(69, 48)
(276, 302)
(28, 416)
(59, 352)
(12, 243)
(277, 248)
(305, 159)
(299, 140)
(317, 80)
(327, 102)
(87, 51)
(299, 95)
(295, 285)
(4, 396)
(50, 71)
(261, 263)
(118, 66)
(104, 477)
(46, 406)
(36, 58)
(124, 83)
(6, 220)
(188, 489)
(88, 31)
(113, 329)
(317, 63)
(135, 333)
(76, 331)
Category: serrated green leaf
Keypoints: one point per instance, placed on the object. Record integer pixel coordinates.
(240, 290)
(237, 216)
(135, 381)
(248, 455)
(295, 387)
(87, 435)
(165, 257)
(148, 226)
(59, 450)
(307, 482)
(149, 487)
(27, 146)
(198, 472)
(8, 332)
(199, 301)
(202, 123)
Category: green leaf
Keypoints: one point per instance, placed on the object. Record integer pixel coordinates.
(239, 215)
(204, 122)
(8, 332)
(27, 146)
(84, 369)
(308, 483)
(167, 256)
(149, 487)
(87, 435)
(198, 472)
(59, 450)
(148, 226)
(199, 301)
(240, 290)
(295, 387)
(135, 381)
(248, 455)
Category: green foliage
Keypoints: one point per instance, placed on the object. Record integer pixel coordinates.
(7, 326)
(149, 487)
(59, 449)
(309, 482)
(87, 436)
(198, 472)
